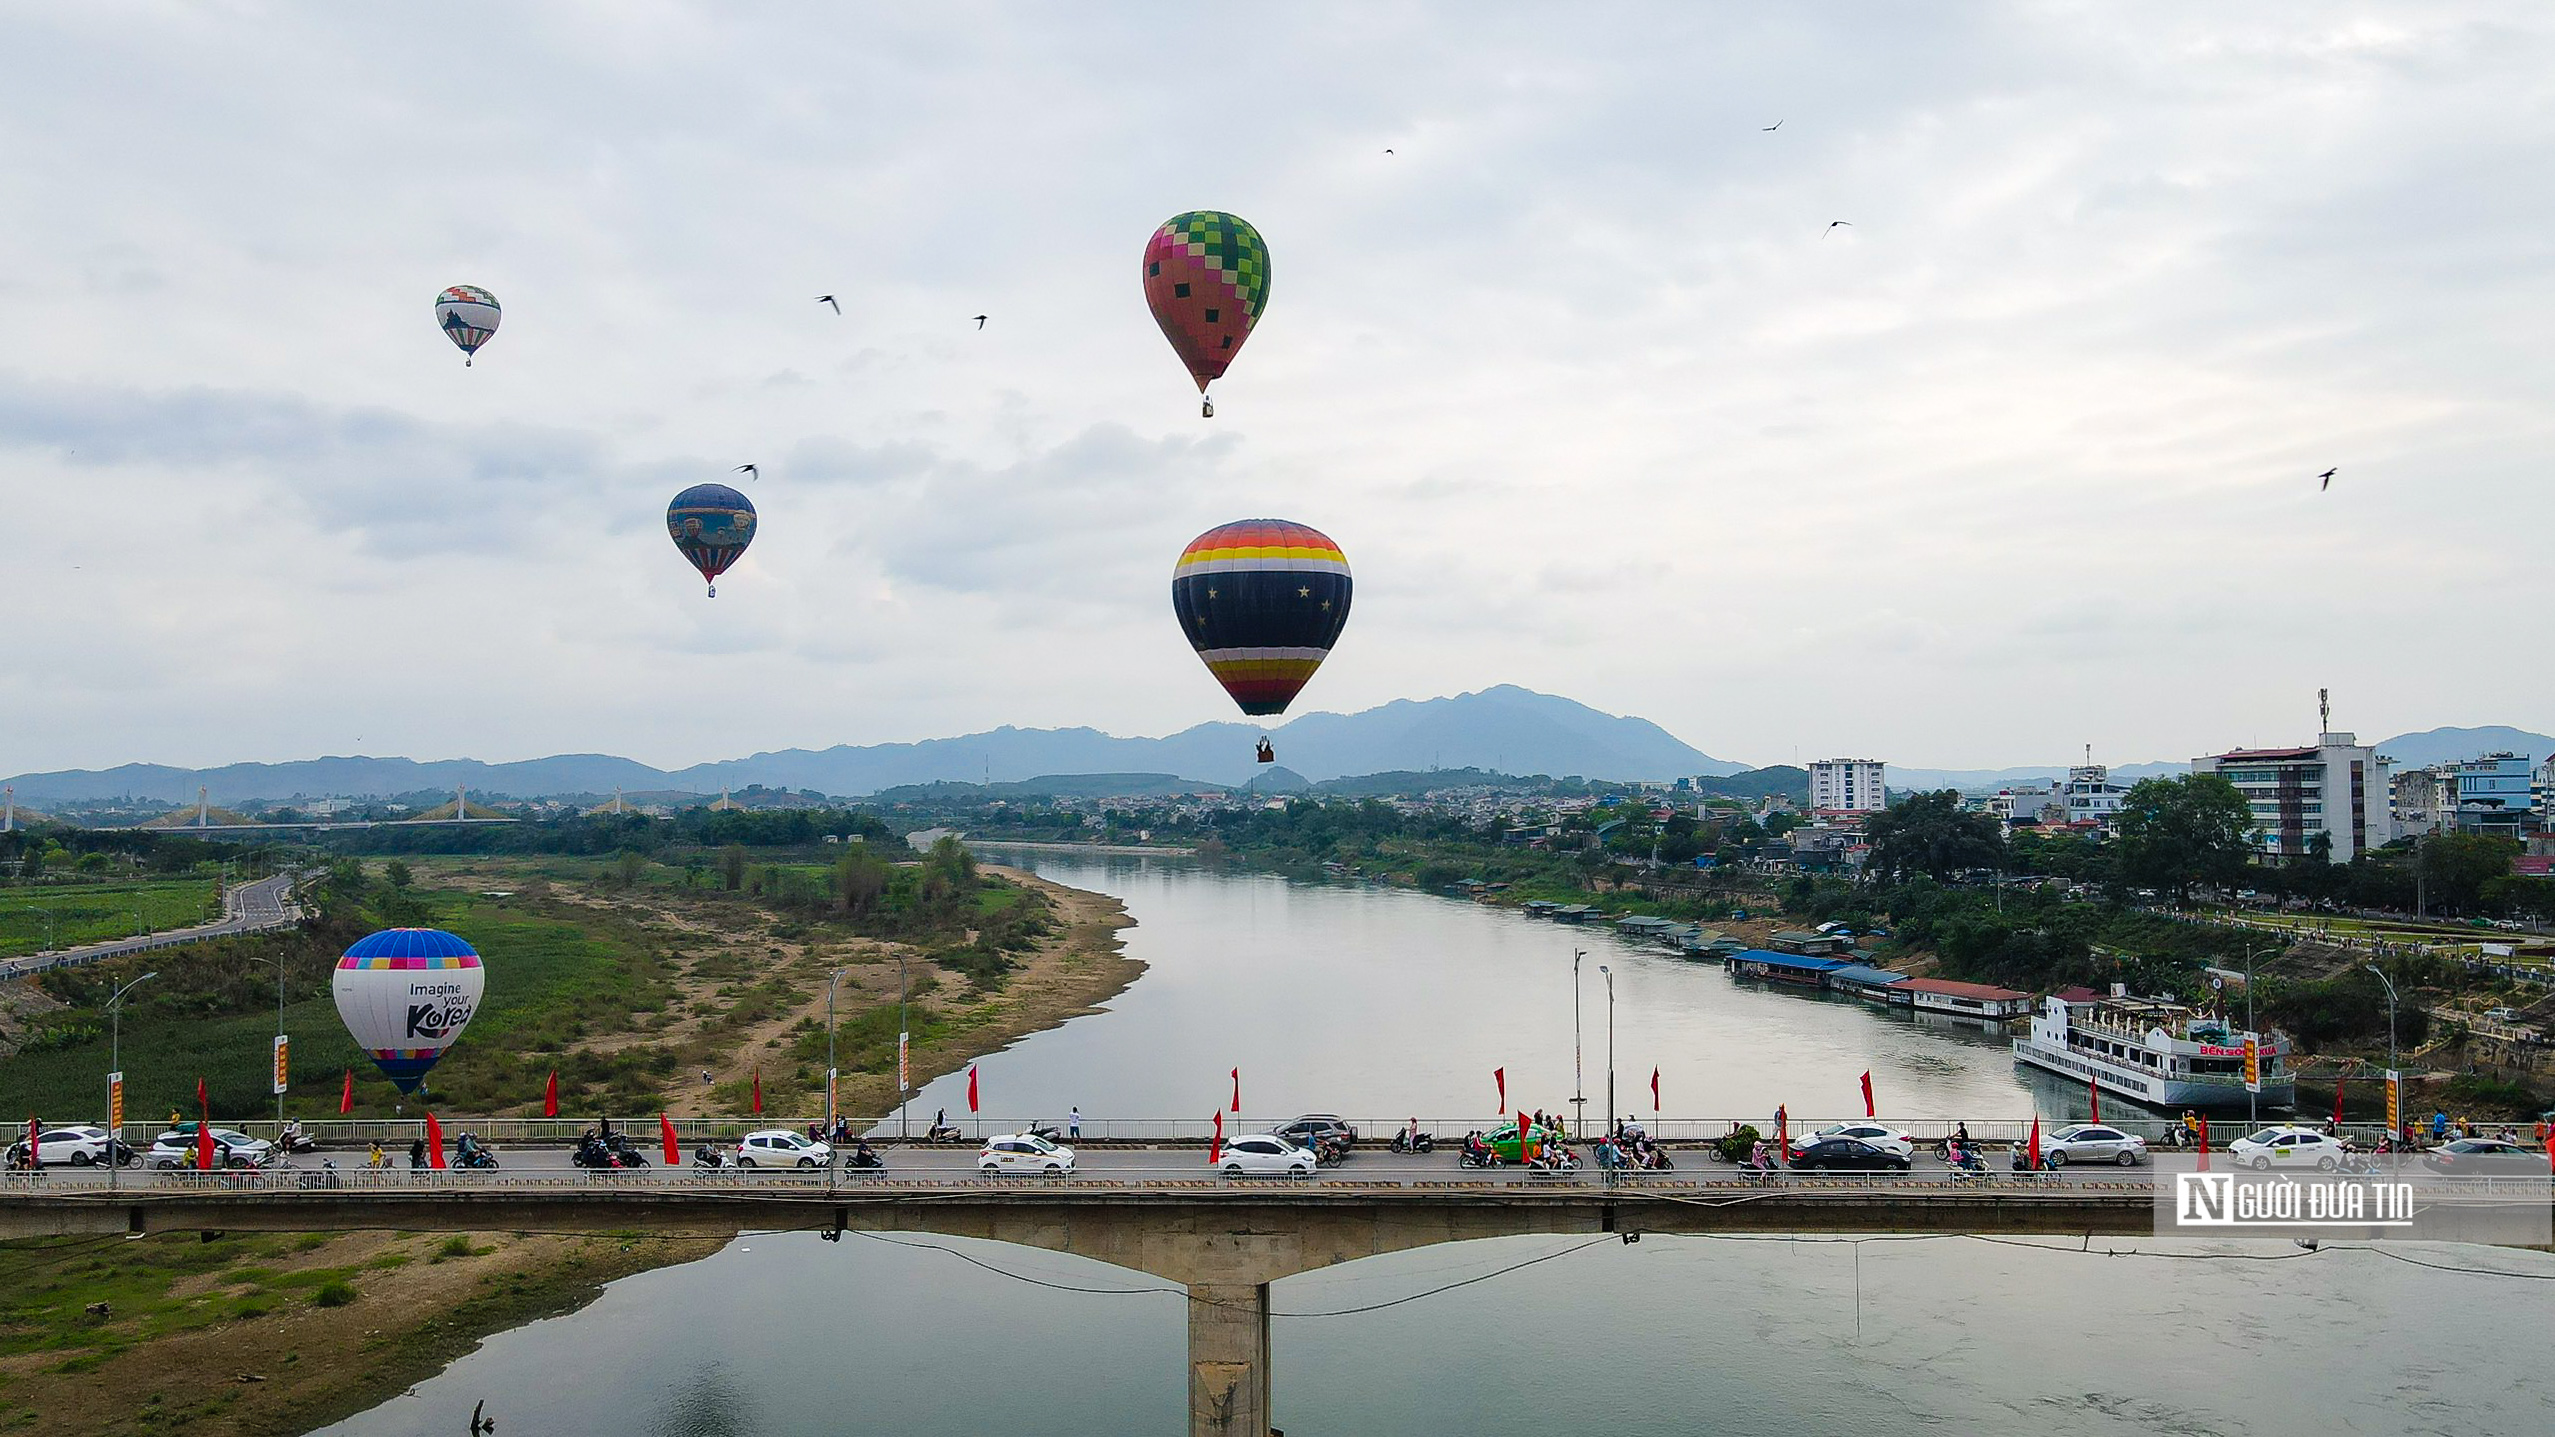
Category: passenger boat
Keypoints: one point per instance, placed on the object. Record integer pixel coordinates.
(2152, 1051)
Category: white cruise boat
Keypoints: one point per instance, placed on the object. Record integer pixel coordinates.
(2151, 1051)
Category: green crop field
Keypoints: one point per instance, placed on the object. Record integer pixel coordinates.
(67, 914)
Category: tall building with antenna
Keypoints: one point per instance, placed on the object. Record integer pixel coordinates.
(2330, 797)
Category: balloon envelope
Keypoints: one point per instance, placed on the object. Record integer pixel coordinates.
(1262, 601)
(1206, 277)
(711, 524)
(467, 315)
(406, 994)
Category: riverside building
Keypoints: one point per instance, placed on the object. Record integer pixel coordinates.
(2336, 790)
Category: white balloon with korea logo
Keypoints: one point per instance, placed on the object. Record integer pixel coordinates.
(405, 995)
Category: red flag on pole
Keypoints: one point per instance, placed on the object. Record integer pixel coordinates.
(2337, 1099)
(758, 1087)
(434, 1142)
(673, 1149)
(2094, 1093)
(35, 1144)
(346, 1094)
(1500, 1076)
(1525, 1140)
(1654, 1092)
(1237, 1091)
(201, 1105)
(2032, 1159)
(1215, 1145)
(550, 1095)
(971, 1087)
(204, 1144)
(1869, 1111)
(2204, 1144)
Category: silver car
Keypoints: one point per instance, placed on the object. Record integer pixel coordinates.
(2093, 1143)
(231, 1149)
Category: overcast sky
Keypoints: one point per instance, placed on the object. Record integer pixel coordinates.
(1578, 376)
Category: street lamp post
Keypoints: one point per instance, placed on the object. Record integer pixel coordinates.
(115, 1063)
(2390, 1013)
(834, 978)
(903, 1037)
(1610, 1044)
(1578, 1075)
(278, 964)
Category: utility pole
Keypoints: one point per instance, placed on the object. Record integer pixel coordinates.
(2390, 1013)
(115, 1078)
(830, 1074)
(904, 1036)
(1610, 1044)
(1578, 1074)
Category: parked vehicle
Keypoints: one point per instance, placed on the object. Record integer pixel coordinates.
(2287, 1147)
(781, 1148)
(231, 1149)
(2092, 1143)
(1849, 1155)
(1015, 1153)
(1403, 1142)
(1313, 1127)
(1888, 1140)
(1266, 1155)
(80, 1145)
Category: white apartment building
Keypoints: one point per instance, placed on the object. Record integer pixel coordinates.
(2090, 795)
(2423, 799)
(2338, 788)
(1847, 785)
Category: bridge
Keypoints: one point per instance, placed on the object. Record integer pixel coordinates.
(1223, 1239)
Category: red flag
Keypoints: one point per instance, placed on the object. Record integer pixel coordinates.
(758, 1087)
(673, 1149)
(1654, 1092)
(204, 1145)
(346, 1094)
(1215, 1145)
(1500, 1076)
(201, 1105)
(35, 1144)
(2337, 1099)
(1525, 1140)
(1869, 1111)
(971, 1087)
(2204, 1144)
(2033, 1160)
(2094, 1092)
(434, 1142)
(550, 1096)
(1237, 1091)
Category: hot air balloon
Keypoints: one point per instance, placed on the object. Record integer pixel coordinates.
(1206, 276)
(468, 316)
(406, 994)
(1262, 601)
(711, 524)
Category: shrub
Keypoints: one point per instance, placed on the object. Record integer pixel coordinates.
(337, 1292)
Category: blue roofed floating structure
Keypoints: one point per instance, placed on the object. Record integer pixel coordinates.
(1863, 981)
(1783, 967)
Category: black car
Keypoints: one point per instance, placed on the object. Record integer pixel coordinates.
(1312, 1127)
(1848, 1155)
(2485, 1158)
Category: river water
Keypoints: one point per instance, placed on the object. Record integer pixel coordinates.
(1379, 1002)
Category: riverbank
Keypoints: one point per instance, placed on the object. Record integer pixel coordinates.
(278, 1334)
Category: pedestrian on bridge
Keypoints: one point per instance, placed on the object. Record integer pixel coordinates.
(1073, 1124)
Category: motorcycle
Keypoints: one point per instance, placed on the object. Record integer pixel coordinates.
(475, 1155)
(709, 1159)
(1043, 1130)
(294, 1140)
(612, 1152)
(863, 1158)
(1477, 1155)
(945, 1133)
(1403, 1142)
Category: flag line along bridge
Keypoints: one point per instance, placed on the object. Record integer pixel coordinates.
(1225, 1241)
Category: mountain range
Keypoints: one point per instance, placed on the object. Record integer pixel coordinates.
(1504, 729)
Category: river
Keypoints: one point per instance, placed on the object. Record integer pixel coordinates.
(1380, 1002)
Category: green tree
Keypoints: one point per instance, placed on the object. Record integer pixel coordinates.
(1928, 833)
(2178, 832)
(860, 879)
(396, 874)
(732, 866)
(2456, 866)
(627, 867)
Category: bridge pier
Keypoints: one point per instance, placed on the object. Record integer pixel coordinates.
(1228, 1359)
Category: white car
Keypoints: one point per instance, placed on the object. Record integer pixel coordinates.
(781, 1148)
(1023, 1153)
(1896, 1144)
(231, 1149)
(2287, 1148)
(79, 1144)
(2092, 1143)
(1266, 1155)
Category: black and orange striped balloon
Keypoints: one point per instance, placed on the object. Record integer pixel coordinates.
(1262, 601)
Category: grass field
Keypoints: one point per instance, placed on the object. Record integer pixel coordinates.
(89, 912)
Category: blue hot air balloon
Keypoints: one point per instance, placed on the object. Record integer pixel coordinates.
(711, 524)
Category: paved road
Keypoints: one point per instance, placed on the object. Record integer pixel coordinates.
(246, 908)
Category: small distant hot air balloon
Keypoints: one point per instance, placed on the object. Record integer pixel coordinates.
(468, 316)
(1206, 277)
(711, 524)
(1262, 601)
(406, 994)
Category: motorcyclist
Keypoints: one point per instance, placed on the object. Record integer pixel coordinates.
(417, 1153)
(292, 1138)
(709, 1156)
(863, 1156)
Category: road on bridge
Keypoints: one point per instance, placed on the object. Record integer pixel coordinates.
(246, 908)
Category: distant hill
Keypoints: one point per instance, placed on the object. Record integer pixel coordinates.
(1781, 779)
(1509, 729)
(1049, 785)
(2448, 745)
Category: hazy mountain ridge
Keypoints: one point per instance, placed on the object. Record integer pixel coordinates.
(1505, 728)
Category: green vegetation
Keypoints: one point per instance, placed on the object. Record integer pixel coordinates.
(36, 916)
(151, 1288)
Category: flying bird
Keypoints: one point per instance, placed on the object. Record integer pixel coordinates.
(1832, 224)
(829, 299)
(1770, 129)
(1388, 151)
(750, 471)
(980, 321)
(2327, 477)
